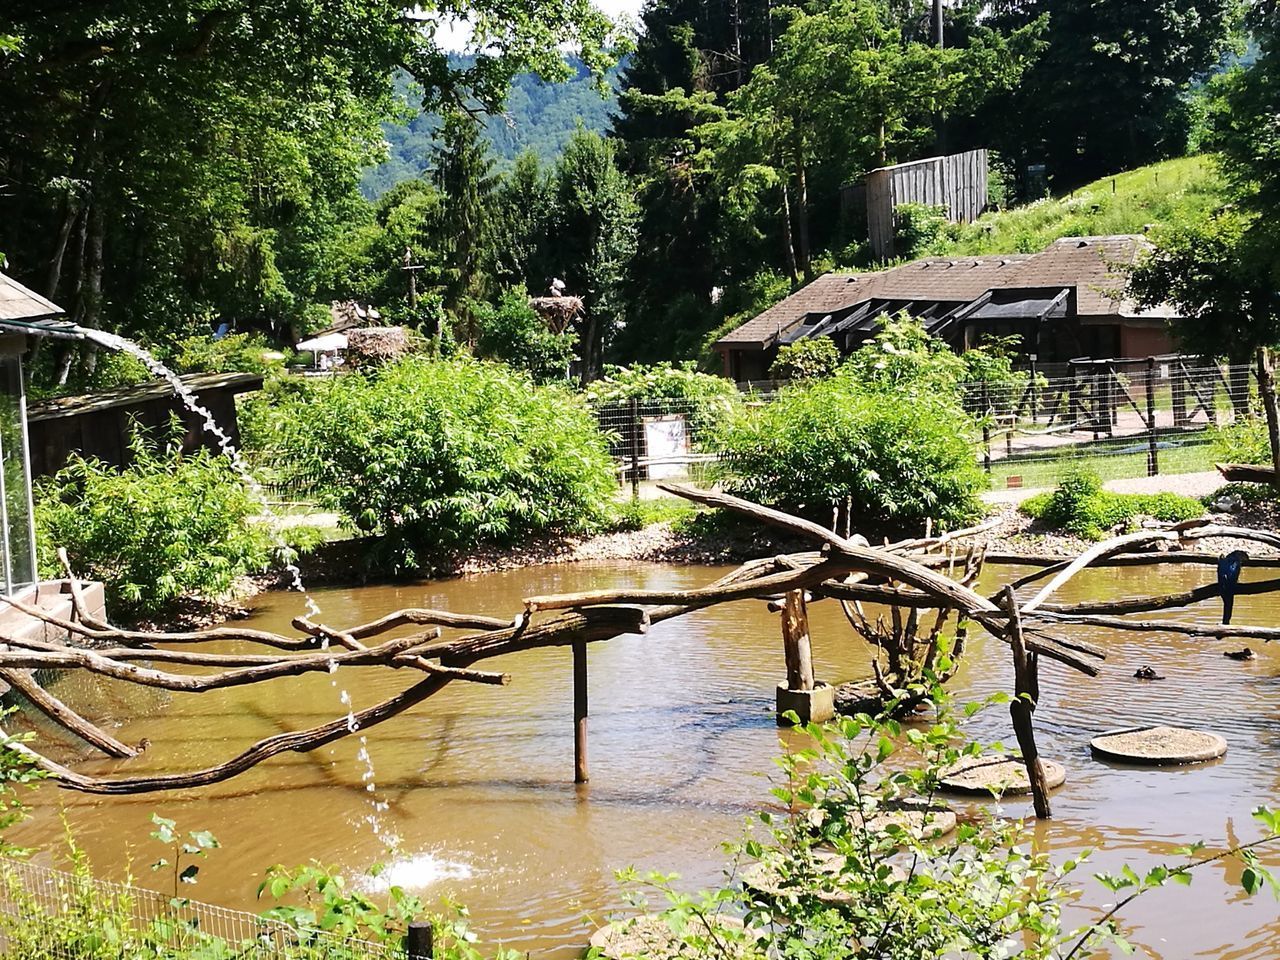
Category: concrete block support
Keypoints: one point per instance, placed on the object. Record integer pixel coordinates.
(811, 706)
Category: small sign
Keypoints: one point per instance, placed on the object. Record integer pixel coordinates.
(1013, 483)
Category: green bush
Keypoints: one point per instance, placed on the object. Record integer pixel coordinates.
(634, 514)
(659, 381)
(900, 454)
(810, 359)
(232, 353)
(920, 230)
(1244, 441)
(513, 333)
(1079, 505)
(166, 527)
(441, 455)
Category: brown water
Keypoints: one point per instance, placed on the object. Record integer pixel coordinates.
(479, 779)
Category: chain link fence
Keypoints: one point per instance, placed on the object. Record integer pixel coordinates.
(48, 914)
(1120, 418)
(1124, 418)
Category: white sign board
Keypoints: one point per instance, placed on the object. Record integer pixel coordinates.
(667, 441)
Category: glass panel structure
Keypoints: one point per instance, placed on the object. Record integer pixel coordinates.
(17, 531)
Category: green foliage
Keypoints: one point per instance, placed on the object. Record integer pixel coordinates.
(167, 526)
(513, 333)
(659, 381)
(441, 455)
(919, 230)
(1158, 194)
(1079, 505)
(893, 445)
(903, 356)
(811, 359)
(636, 514)
(233, 353)
(1107, 91)
(1243, 441)
(1221, 281)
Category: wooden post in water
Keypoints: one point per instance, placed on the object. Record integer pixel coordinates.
(580, 712)
(795, 642)
(1026, 692)
(418, 941)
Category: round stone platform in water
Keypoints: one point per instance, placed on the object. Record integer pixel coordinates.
(920, 821)
(1158, 746)
(997, 775)
(766, 878)
(651, 938)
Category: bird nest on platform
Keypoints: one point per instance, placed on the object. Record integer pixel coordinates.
(557, 312)
(368, 346)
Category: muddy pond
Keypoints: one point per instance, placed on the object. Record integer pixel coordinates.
(478, 781)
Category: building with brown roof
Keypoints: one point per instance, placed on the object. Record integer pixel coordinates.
(1066, 302)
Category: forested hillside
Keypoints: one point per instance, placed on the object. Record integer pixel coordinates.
(538, 116)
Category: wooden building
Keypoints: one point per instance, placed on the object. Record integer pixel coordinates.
(101, 424)
(1066, 302)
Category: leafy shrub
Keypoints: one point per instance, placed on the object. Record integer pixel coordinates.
(903, 356)
(900, 454)
(919, 230)
(1079, 505)
(636, 514)
(165, 527)
(1244, 441)
(810, 359)
(441, 455)
(659, 381)
(512, 332)
(232, 353)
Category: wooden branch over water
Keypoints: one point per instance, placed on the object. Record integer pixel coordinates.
(899, 575)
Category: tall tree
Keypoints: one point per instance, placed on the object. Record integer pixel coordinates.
(167, 164)
(462, 172)
(1107, 94)
(595, 218)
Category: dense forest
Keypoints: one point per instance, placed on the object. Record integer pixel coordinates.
(168, 168)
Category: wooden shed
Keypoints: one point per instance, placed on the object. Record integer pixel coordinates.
(101, 424)
(957, 182)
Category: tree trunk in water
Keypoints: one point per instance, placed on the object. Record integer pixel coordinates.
(1267, 388)
(787, 242)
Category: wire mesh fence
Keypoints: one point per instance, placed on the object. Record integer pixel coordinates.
(48, 914)
(1126, 418)
(1121, 418)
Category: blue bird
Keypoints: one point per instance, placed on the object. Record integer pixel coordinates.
(1228, 576)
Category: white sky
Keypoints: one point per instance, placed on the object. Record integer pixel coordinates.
(455, 36)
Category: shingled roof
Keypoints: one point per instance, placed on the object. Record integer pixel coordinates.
(1093, 266)
(19, 303)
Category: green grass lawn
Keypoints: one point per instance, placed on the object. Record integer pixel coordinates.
(1045, 470)
(1152, 195)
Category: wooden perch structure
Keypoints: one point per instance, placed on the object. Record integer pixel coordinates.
(922, 586)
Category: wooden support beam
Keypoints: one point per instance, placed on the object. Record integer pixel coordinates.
(1026, 691)
(580, 772)
(795, 642)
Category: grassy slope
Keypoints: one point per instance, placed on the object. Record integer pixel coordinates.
(1153, 195)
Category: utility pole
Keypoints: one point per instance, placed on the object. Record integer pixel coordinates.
(412, 270)
(939, 38)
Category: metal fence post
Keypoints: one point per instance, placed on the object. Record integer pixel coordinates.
(1153, 456)
(418, 943)
(986, 428)
(635, 449)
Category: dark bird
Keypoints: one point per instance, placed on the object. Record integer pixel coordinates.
(1146, 673)
(1245, 654)
(1228, 576)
